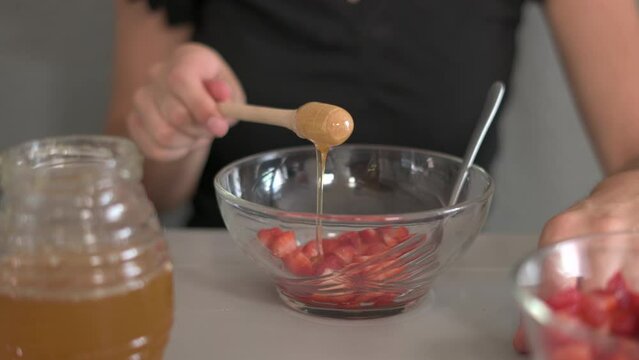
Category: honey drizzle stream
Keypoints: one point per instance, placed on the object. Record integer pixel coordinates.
(321, 155)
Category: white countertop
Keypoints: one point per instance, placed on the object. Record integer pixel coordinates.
(227, 309)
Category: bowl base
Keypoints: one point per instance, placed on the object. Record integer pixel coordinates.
(364, 313)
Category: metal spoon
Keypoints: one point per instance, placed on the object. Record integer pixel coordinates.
(493, 101)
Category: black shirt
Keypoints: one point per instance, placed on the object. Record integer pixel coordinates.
(411, 72)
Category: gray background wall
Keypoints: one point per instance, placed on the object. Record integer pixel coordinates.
(54, 79)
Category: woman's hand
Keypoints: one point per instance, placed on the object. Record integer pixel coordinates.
(176, 111)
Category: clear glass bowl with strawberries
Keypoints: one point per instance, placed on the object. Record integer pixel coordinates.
(580, 298)
(386, 231)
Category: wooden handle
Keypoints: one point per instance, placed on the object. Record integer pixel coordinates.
(259, 114)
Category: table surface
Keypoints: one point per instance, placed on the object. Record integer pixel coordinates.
(227, 309)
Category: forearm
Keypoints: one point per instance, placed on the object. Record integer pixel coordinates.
(599, 44)
(170, 184)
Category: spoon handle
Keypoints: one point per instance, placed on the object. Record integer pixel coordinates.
(493, 101)
(259, 114)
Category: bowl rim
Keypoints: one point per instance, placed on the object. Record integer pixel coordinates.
(335, 219)
(537, 309)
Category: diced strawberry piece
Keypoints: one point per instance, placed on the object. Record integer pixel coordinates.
(593, 315)
(361, 258)
(626, 350)
(283, 244)
(310, 249)
(609, 301)
(385, 300)
(519, 341)
(299, 264)
(389, 240)
(393, 236)
(369, 236)
(554, 337)
(329, 245)
(337, 299)
(596, 308)
(266, 236)
(619, 355)
(617, 286)
(623, 300)
(355, 241)
(349, 238)
(623, 323)
(573, 310)
(618, 299)
(401, 233)
(577, 351)
(330, 264)
(346, 253)
(634, 302)
(375, 248)
(617, 283)
(382, 270)
(387, 273)
(564, 299)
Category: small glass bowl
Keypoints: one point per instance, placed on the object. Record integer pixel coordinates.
(385, 205)
(579, 296)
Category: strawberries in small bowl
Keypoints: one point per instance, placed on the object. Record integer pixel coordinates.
(386, 233)
(355, 270)
(580, 298)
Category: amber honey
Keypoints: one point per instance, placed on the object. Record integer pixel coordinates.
(133, 324)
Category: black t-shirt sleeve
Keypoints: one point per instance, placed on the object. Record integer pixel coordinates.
(178, 11)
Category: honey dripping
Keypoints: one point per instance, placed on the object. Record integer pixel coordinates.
(325, 126)
(321, 155)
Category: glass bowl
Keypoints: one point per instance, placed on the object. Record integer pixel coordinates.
(387, 233)
(580, 298)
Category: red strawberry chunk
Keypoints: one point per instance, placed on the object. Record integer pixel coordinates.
(361, 258)
(299, 264)
(393, 236)
(626, 350)
(352, 238)
(266, 236)
(346, 253)
(613, 309)
(577, 351)
(596, 308)
(330, 264)
(329, 245)
(619, 355)
(337, 299)
(634, 301)
(554, 337)
(617, 283)
(389, 240)
(369, 236)
(387, 273)
(623, 323)
(283, 244)
(375, 248)
(564, 299)
(348, 248)
(368, 297)
(617, 286)
(310, 249)
(386, 300)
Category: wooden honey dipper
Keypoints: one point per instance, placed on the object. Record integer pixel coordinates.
(324, 124)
